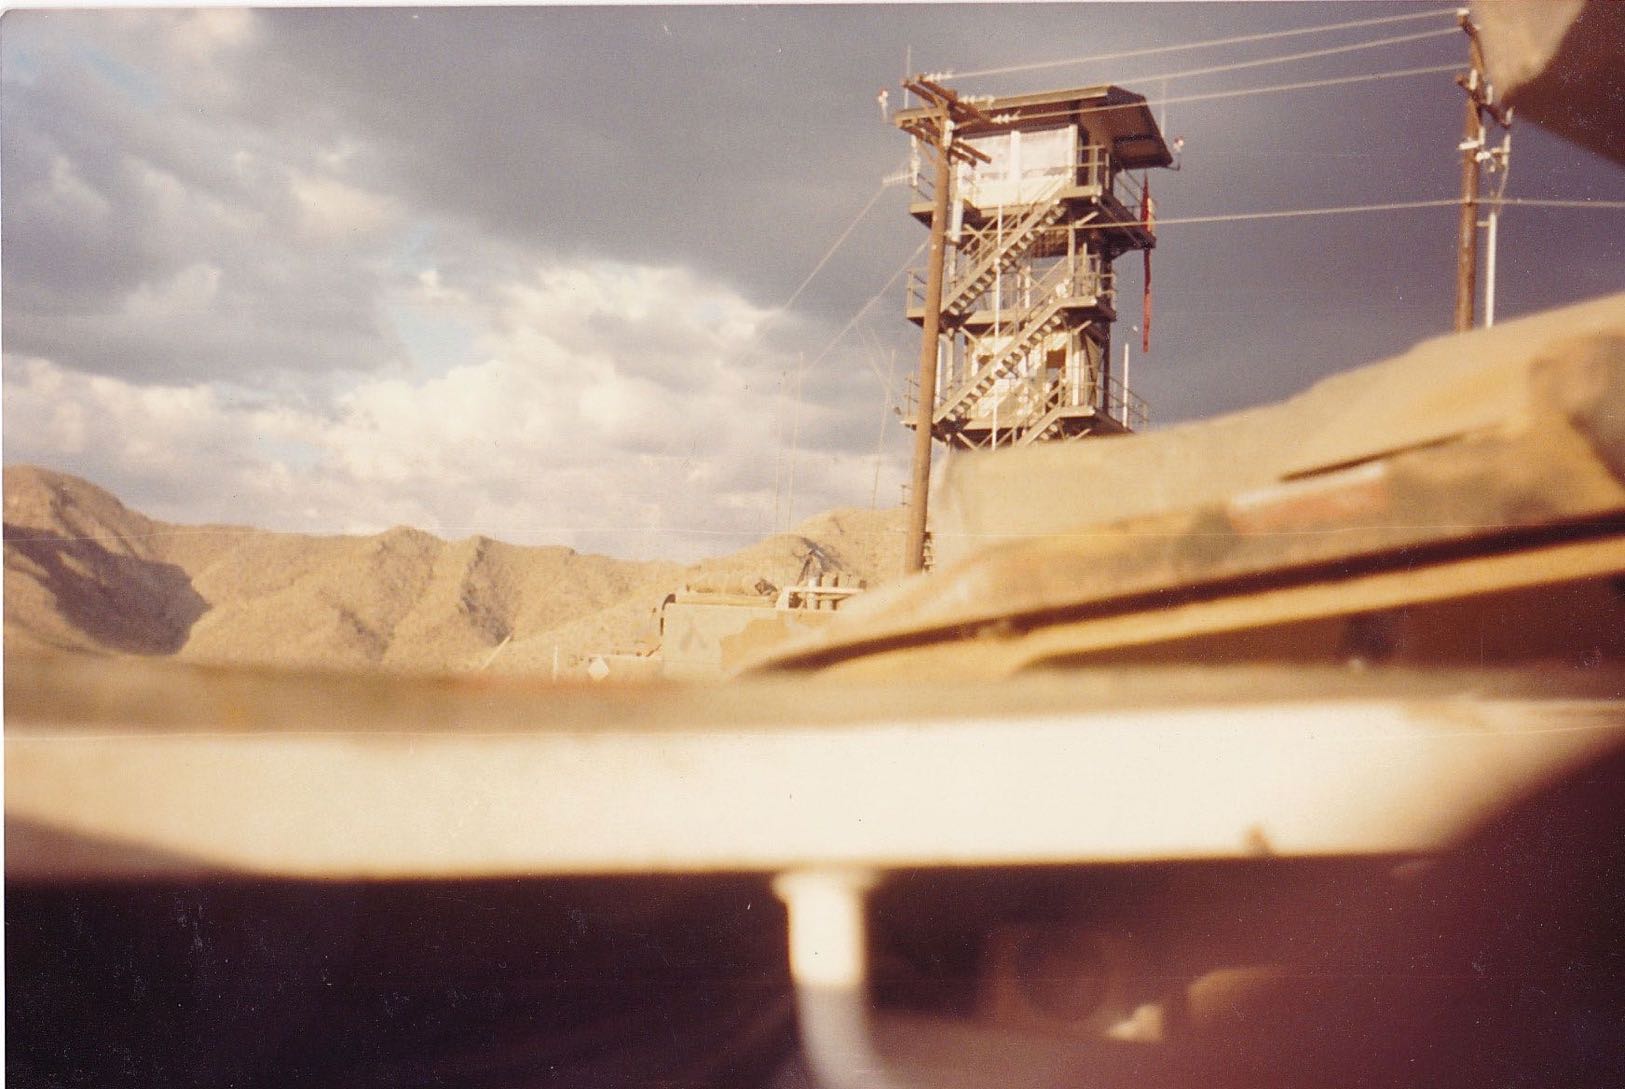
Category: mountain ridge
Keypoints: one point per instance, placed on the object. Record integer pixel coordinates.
(86, 573)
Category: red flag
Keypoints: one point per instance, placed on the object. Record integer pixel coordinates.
(1148, 215)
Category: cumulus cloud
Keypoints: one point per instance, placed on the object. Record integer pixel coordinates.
(555, 434)
(152, 232)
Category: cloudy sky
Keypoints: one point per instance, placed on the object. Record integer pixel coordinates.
(524, 271)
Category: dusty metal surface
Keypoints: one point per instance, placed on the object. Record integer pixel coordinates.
(1438, 391)
(1504, 469)
(144, 771)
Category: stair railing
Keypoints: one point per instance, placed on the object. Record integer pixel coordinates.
(990, 254)
(1049, 293)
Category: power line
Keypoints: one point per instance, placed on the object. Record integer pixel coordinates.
(1542, 202)
(773, 316)
(864, 309)
(1286, 58)
(1304, 85)
(801, 369)
(779, 311)
(1242, 92)
(1349, 209)
(824, 260)
(873, 345)
(1295, 213)
(1240, 39)
(1260, 62)
(1232, 217)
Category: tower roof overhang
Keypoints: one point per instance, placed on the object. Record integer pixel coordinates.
(1112, 115)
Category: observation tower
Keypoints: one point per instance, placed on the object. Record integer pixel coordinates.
(1043, 200)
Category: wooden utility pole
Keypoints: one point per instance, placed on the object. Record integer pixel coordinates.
(1480, 100)
(1472, 142)
(936, 131)
(920, 475)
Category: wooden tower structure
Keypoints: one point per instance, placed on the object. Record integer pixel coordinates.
(1043, 200)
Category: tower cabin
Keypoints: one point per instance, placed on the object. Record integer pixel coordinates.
(1028, 301)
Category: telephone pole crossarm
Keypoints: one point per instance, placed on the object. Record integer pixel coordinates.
(947, 111)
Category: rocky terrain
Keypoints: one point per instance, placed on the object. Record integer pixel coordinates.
(85, 573)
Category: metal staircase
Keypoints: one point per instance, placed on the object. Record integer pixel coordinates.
(1036, 322)
(993, 256)
(1042, 320)
(1051, 416)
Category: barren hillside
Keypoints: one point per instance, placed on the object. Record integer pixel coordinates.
(85, 573)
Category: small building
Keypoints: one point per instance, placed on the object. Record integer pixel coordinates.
(705, 635)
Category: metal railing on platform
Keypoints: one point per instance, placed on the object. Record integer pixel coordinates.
(1089, 278)
(1126, 406)
(1035, 405)
(1024, 403)
(1095, 166)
